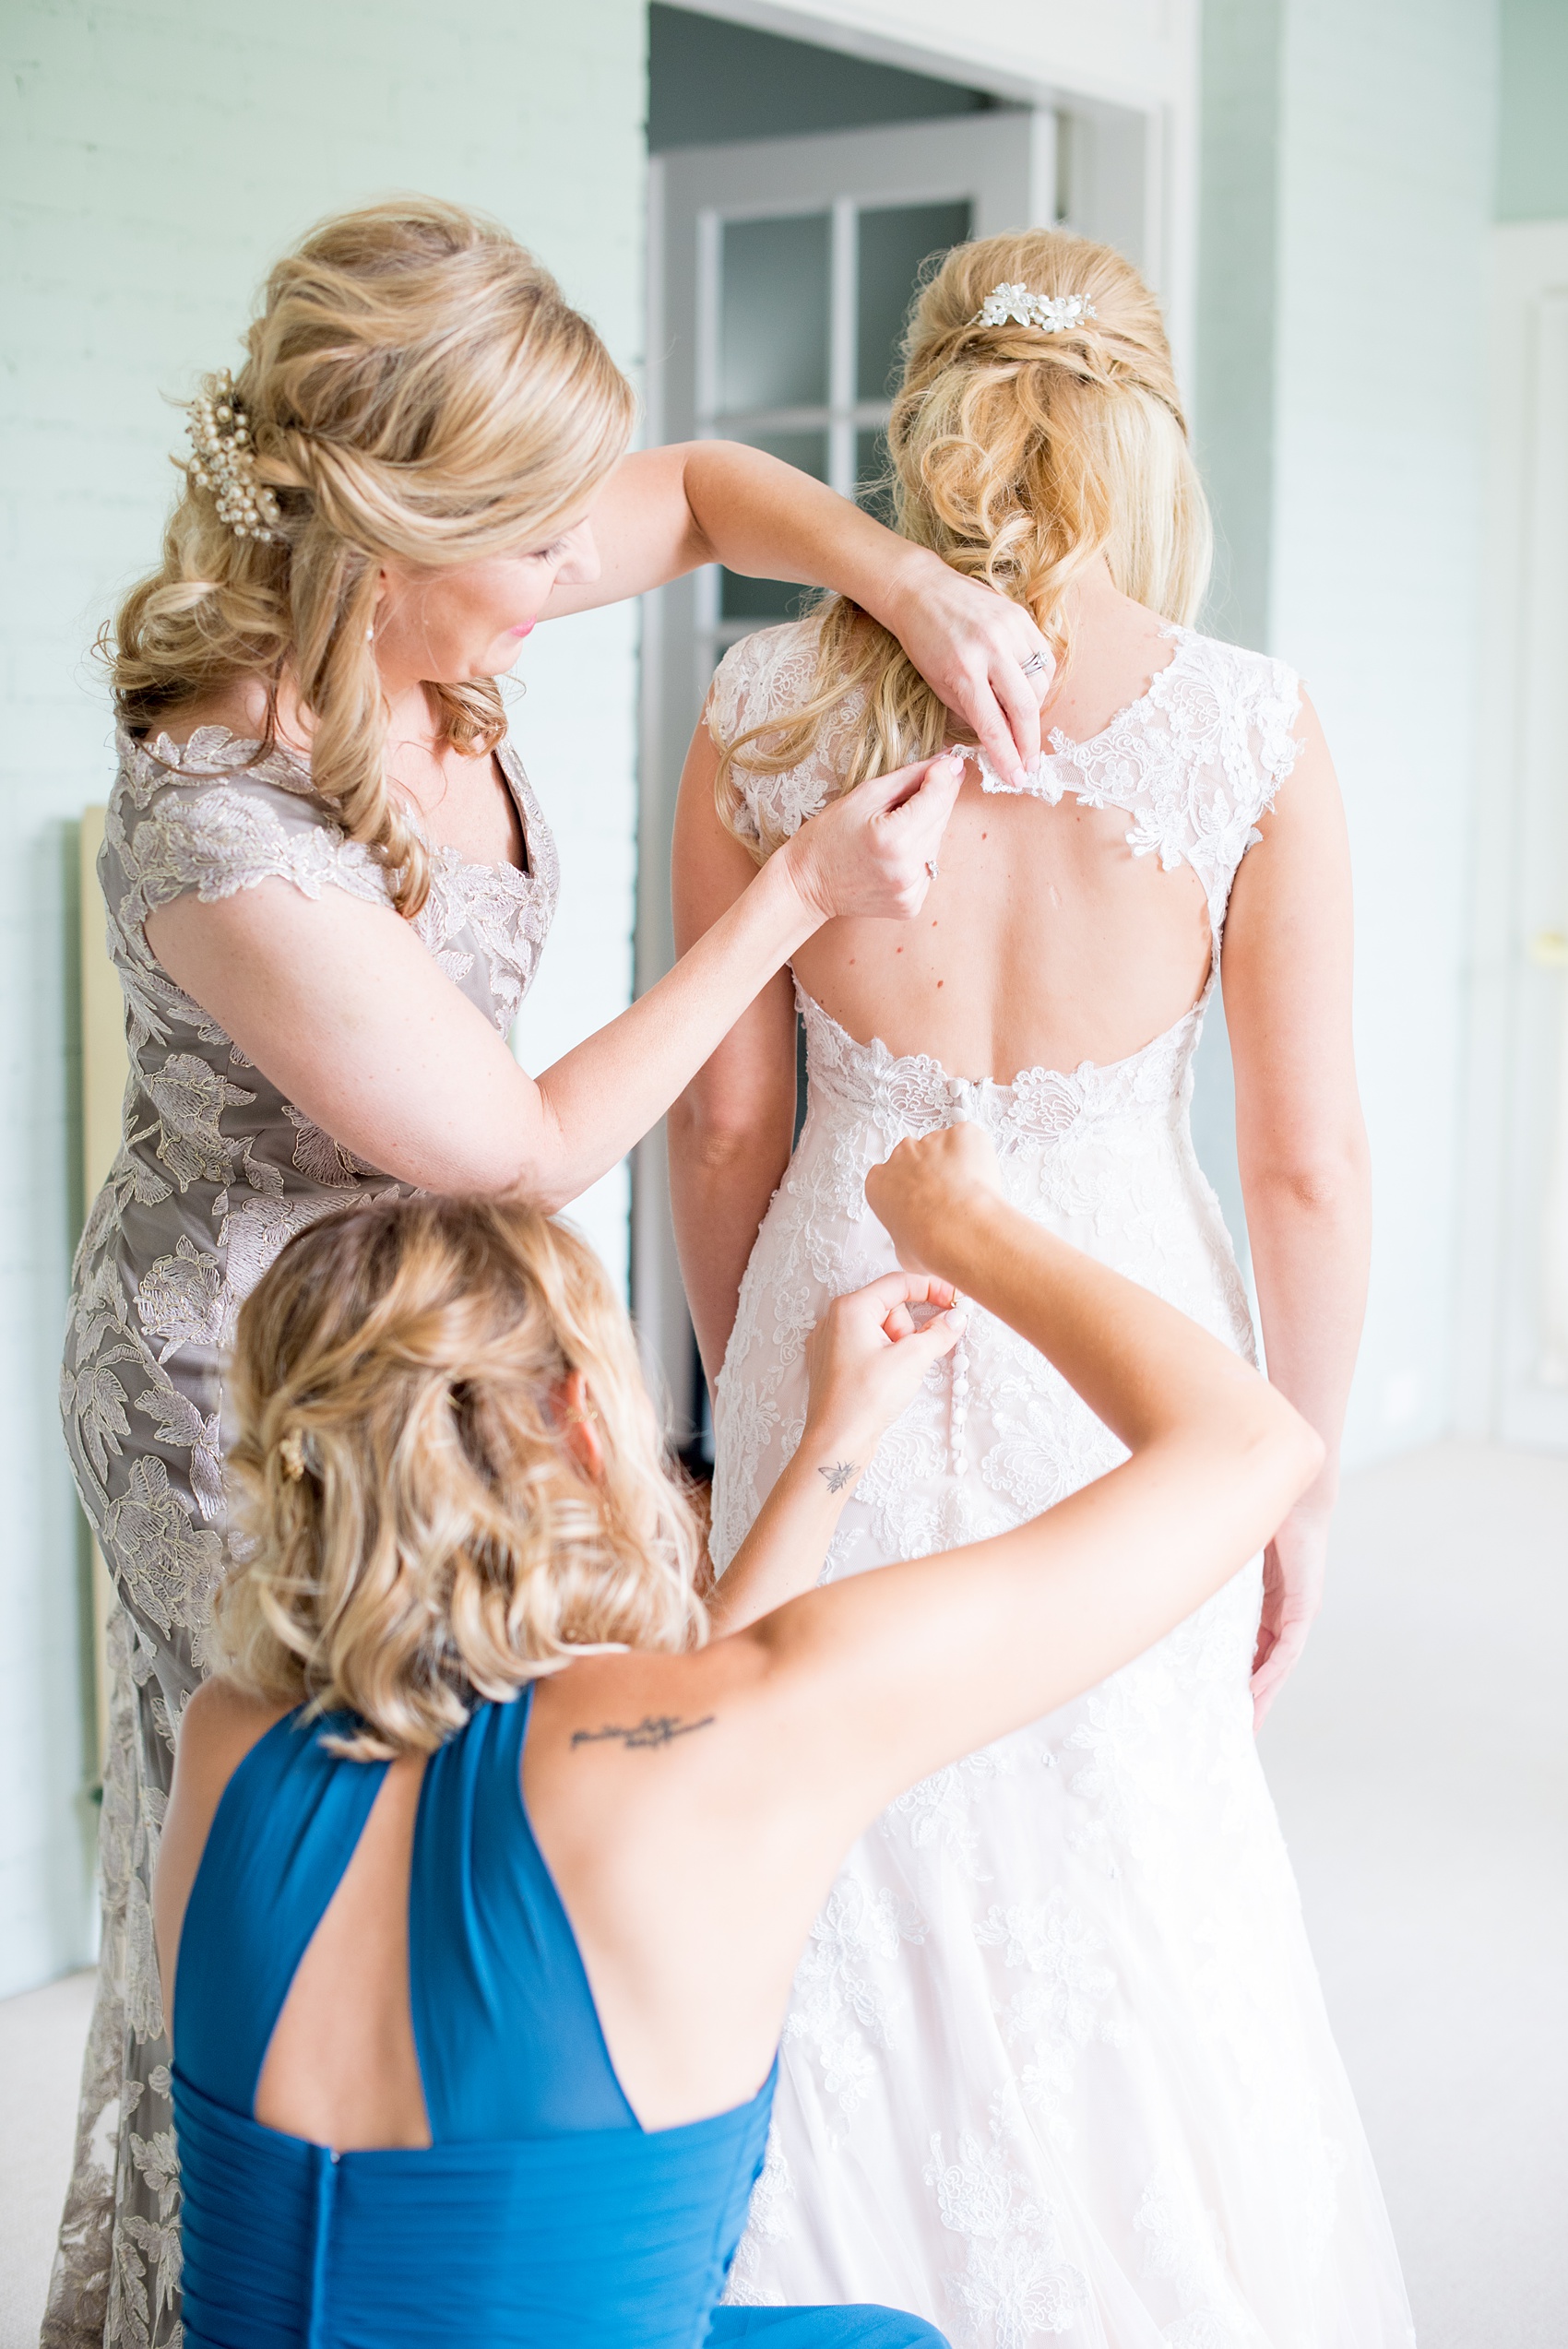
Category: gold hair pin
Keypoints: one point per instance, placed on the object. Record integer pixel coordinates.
(291, 1452)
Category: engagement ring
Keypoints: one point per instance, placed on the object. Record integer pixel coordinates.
(1032, 667)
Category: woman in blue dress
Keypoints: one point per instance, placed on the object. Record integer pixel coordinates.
(484, 1875)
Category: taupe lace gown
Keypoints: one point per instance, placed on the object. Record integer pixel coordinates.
(216, 1172)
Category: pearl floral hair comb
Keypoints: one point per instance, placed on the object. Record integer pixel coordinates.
(1051, 313)
(223, 461)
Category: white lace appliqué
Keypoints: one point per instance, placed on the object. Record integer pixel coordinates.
(1017, 2281)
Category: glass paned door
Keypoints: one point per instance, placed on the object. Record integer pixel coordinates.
(893, 245)
(801, 317)
(775, 296)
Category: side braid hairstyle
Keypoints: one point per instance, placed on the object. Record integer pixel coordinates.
(1018, 456)
(417, 390)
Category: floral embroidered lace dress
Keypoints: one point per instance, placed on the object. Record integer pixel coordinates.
(216, 1172)
(1057, 2064)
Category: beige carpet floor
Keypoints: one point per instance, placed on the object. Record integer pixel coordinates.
(1418, 1762)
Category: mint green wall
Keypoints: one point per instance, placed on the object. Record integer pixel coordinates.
(153, 160)
(1346, 174)
(1386, 163)
(1532, 156)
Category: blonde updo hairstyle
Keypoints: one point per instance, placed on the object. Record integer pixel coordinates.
(418, 391)
(414, 1532)
(1018, 456)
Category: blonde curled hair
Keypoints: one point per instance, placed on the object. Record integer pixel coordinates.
(418, 391)
(1018, 456)
(414, 1533)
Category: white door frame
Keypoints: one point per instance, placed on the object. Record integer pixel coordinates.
(1518, 1009)
(1127, 170)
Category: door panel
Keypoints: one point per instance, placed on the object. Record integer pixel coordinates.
(1513, 1354)
(1535, 1342)
(772, 307)
(891, 242)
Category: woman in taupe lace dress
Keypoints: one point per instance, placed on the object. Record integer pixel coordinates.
(329, 885)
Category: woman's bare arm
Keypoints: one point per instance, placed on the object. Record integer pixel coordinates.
(1302, 1148)
(665, 511)
(731, 1131)
(352, 1018)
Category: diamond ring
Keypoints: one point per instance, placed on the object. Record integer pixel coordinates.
(930, 869)
(1033, 667)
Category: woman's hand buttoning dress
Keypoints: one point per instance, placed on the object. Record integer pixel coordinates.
(1057, 2063)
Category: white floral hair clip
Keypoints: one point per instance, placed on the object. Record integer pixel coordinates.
(1052, 314)
(223, 461)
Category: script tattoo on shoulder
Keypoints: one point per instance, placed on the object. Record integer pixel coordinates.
(841, 1473)
(653, 1729)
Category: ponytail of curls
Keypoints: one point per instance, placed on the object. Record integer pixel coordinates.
(1020, 458)
(418, 391)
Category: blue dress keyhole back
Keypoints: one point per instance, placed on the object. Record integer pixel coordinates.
(543, 2216)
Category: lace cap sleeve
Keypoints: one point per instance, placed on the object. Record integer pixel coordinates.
(1274, 715)
(205, 819)
(730, 697)
(764, 679)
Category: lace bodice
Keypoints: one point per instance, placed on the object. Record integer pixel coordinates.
(209, 817)
(1194, 761)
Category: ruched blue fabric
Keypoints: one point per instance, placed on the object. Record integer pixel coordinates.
(542, 2214)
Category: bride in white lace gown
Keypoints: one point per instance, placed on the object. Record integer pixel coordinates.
(1057, 2064)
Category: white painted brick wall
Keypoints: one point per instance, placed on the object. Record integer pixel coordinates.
(1386, 195)
(156, 158)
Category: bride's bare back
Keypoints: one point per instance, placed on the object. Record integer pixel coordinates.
(1045, 940)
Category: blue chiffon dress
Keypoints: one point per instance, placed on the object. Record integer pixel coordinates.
(542, 2214)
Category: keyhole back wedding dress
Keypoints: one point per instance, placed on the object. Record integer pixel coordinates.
(1057, 2064)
